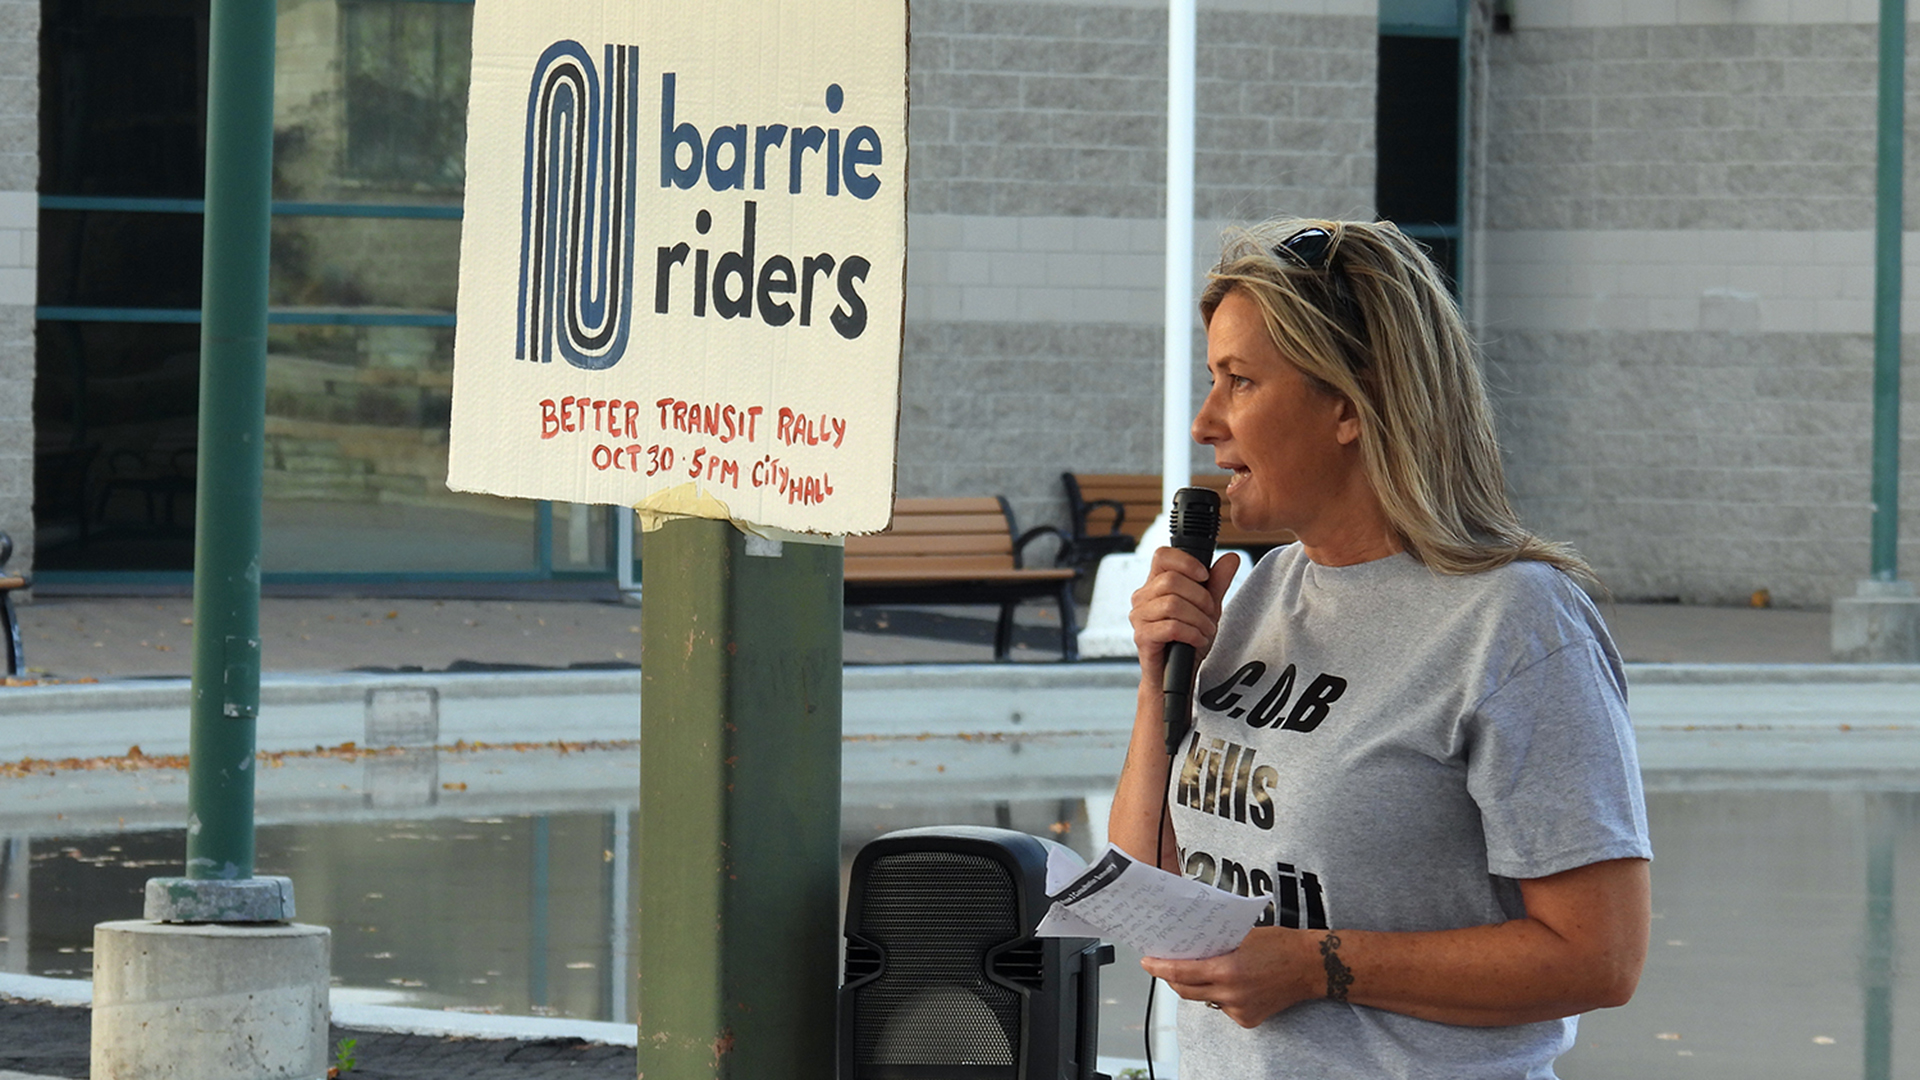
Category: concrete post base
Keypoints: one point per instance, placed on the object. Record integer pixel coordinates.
(1880, 623)
(210, 1002)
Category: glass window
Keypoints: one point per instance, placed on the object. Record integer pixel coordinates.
(1417, 132)
(364, 262)
(406, 91)
(115, 407)
(583, 538)
(370, 104)
(113, 258)
(123, 97)
(356, 460)
(370, 101)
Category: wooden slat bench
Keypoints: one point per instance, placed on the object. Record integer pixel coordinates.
(1109, 511)
(959, 551)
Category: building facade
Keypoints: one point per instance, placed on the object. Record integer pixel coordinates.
(1674, 205)
(1659, 215)
(19, 233)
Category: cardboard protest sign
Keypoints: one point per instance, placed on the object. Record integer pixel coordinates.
(681, 267)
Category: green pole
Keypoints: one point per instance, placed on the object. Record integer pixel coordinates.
(1877, 969)
(739, 836)
(233, 361)
(1888, 222)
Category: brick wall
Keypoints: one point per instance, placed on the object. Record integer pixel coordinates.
(1677, 290)
(1036, 242)
(19, 251)
(1024, 109)
(1683, 127)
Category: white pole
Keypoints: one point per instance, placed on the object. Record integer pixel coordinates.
(1176, 462)
(1176, 458)
(620, 903)
(623, 554)
(1108, 632)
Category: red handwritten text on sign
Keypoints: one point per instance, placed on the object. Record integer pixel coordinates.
(722, 423)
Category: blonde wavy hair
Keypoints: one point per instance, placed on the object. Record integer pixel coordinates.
(1363, 313)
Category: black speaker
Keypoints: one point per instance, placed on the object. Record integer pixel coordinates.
(944, 979)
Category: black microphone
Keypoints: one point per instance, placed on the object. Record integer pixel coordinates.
(1193, 525)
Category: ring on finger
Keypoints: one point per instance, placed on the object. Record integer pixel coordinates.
(1213, 1005)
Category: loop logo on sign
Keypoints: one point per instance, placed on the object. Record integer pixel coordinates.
(576, 209)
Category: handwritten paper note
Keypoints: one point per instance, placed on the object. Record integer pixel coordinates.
(1160, 914)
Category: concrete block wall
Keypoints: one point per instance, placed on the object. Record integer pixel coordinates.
(19, 254)
(1036, 242)
(1676, 290)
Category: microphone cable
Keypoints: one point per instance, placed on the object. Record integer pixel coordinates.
(1159, 852)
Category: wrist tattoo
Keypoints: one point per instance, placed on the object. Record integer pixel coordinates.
(1339, 975)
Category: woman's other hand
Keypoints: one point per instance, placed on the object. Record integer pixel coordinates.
(1272, 970)
(1580, 947)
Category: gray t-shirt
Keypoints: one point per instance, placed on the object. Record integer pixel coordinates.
(1385, 747)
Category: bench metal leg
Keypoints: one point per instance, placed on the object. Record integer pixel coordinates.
(1069, 633)
(10, 626)
(1003, 631)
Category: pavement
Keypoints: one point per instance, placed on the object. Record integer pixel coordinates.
(129, 640)
(70, 637)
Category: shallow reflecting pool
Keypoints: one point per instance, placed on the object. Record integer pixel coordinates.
(1780, 921)
(1786, 899)
(508, 914)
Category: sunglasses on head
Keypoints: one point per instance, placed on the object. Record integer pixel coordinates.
(1312, 249)
(1307, 248)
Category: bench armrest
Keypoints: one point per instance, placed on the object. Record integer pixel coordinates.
(1035, 533)
(1087, 509)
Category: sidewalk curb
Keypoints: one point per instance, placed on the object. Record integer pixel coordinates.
(317, 688)
(1759, 674)
(400, 1020)
(321, 688)
(49, 991)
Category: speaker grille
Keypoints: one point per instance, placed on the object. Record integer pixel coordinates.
(936, 914)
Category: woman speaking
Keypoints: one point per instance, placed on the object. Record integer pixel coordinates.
(1410, 730)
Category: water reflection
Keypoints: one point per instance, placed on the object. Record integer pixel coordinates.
(1777, 947)
(498, 914)
(407, 721)
(14, 922)
(1776, 921)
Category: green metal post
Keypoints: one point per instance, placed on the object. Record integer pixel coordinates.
(1877, 969)
(1888, 222)
(739, 835)
(233, 361)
